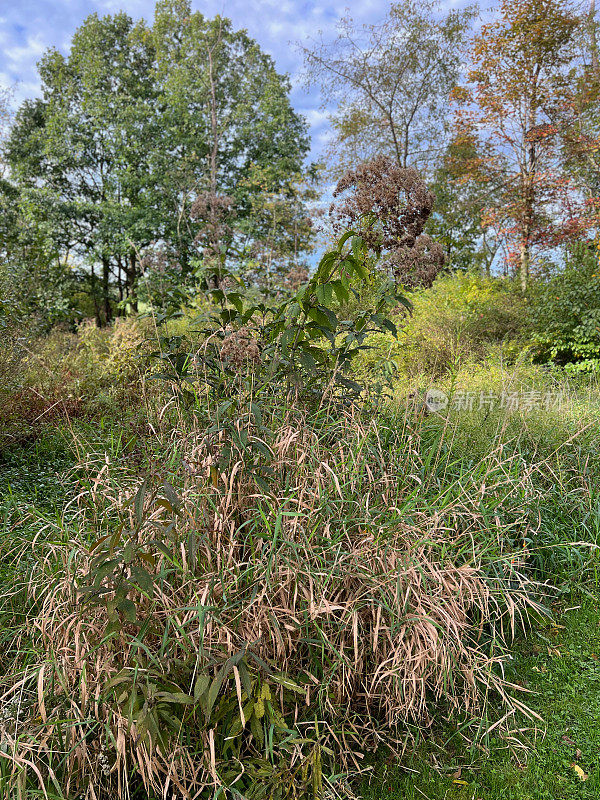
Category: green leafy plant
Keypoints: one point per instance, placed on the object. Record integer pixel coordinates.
(566, 314)
(300, 344)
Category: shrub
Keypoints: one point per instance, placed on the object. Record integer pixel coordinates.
(460, 319)
(566, 314)
(302, 345)
(36, 292)
(67, 374)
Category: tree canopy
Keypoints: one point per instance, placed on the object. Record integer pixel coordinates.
(521, 66)
(389, 83)
(136, 124)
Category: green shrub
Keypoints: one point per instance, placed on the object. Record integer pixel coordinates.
(36, 294)
(461, 318)
(566, 314)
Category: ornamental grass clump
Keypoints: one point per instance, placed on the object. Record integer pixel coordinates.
(208, 634)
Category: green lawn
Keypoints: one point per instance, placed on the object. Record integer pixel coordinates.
(559, 664)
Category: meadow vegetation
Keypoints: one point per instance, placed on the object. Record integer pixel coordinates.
(284, 528)
(226, 588)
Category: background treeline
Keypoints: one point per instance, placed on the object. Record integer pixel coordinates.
(148, 145)
(156, 150)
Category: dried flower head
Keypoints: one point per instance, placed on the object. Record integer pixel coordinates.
(417, 265)
(390, 205)
(159, 261)
(211, 206)
(240, 347)
(297, 275)
(104, 763)
(213, 211)
(226, 283)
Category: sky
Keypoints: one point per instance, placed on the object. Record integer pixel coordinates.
(29, 27)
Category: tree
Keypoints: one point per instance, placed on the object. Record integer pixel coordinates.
(7, 192)
(81, 152)
(577, 120)
(35, 285)
(279, 231)
(227, 117)
(390, 82)
(521, 66)
(5, 101)
(458, 221)
(138, 124)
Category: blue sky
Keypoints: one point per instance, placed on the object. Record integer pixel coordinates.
(28, 27)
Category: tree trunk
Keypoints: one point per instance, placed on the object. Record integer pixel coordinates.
(528, 180)
(593, 38)
(106, 290)
(214, 152)
(527, 223)
(94, 287)
(524, 263)
(120, 276)
(130, 277)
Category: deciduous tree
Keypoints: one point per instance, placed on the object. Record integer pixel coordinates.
(390, 82)
(226, 115)
(458, 221)
(521, 66)
(139, 124)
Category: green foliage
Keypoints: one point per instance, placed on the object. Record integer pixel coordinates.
(563, 438)
(460, 319)
(566, 314)
(125, 139)
(458, 221)
(33, 472)
(35, 295)
(36, 286)
(298, 345)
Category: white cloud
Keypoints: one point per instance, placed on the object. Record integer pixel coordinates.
(314, 116)
(18, 55)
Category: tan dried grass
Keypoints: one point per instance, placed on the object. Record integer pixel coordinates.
(380, 626)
